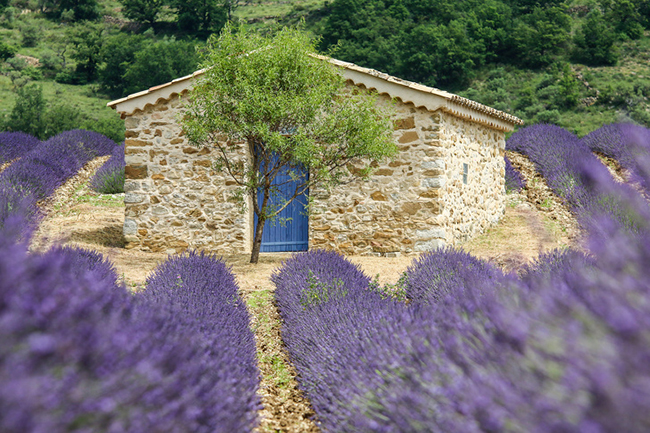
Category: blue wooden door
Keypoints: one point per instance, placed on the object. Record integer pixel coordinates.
(290, 231)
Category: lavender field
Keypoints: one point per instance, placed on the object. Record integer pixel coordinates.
(563, 346)
(456, 345)
(80, 352)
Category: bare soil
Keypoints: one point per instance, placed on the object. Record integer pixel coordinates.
(534, 222)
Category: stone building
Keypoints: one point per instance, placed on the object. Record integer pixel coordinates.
(445, 186)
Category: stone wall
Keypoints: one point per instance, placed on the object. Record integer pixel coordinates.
(470, 208)
(174, 199)
(398, 209)
(416, 202)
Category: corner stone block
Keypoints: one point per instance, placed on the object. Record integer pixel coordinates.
(130, 185)
(438, 164)
(409, 137)
(407, 123)
(434, 233)
(429, 245)
(131, 122)
(433, 182)
(133, 198)
(130, 227)
(135, 171)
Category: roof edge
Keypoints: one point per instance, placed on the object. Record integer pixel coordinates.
(407, 91)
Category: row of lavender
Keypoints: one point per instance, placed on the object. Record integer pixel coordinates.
(563, 347)
(81, 353)
(38, 168)
(109, 179)
(556, 152)
(41, 167)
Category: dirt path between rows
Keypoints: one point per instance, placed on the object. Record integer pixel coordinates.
(76, 215)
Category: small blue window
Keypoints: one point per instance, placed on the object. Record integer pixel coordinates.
(465, 172)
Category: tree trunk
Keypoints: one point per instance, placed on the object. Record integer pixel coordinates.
(257, 240)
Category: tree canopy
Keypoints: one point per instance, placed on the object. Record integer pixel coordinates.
(291, 108)
(446, 42)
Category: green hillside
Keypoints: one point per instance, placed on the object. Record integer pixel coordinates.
(579, 63)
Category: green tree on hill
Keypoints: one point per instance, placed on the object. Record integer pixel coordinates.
(82, 10)
(6, 51)
(28, 115)
(87, 40)
(116, 56)
(200, 17)
(159, 62)
(625, 16)
(292, 110)
(594, 41)
(541, 36)
(142, 11)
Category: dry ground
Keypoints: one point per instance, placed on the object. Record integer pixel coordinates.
(534, 222)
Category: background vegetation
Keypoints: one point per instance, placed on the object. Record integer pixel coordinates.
(576, 63)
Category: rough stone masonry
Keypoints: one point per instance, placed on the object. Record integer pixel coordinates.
(419, 200)
(445, 186)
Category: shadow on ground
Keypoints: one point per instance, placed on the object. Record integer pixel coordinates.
(107, 236)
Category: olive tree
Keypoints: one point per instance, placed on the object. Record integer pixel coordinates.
(294, 112)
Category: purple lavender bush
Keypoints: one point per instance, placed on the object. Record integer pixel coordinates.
(48, 165)
(436, 274)
(16, 144)
(514, 180)
(349, 346)
(17, 205)
(557, 155)
(624, 142)
(200, 294)
(563, 349)
(563, 160)
(66, 339)
(79, 353)
(109, 179)
(590, 318)
(609, 299)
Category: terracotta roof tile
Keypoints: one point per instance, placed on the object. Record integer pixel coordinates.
(459, 100)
